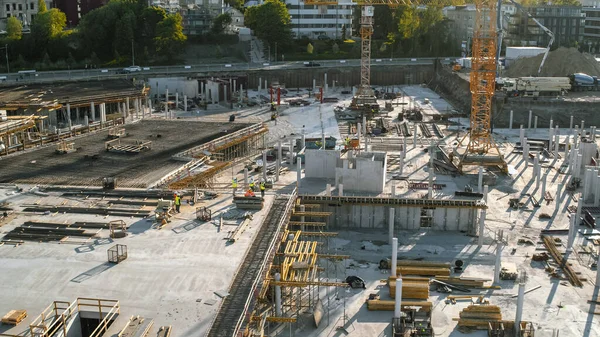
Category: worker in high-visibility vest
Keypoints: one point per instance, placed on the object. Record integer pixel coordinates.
(262, 189)
(177, 203)
(251, 184)
(234, 185)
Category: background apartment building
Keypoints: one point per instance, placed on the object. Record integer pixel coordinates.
(314, 21)
(75, 9)
(24, 10)
(567, 23)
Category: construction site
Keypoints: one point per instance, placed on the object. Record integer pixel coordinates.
(360, 210)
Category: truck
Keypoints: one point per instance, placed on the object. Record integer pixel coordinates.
(583, 82)
(535, 86)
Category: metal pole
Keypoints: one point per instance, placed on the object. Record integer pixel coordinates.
(7, 64)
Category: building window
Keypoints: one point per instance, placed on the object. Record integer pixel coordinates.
(32, 5)
(20, 7)
(8, 7)
(14, 6)
(8, 15)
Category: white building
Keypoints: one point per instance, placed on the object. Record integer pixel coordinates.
(314, 21)
(24, 10)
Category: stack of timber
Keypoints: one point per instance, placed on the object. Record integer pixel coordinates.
(412, 287)
(46, 234)
(249, 202)
(479, 316)
(463, 281)
(423, 268)
(127, 212)
(557, 256)
(14, 317)
(77, 225)
(379, 305)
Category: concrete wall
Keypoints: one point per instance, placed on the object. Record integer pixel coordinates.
(365, 173)
(181, 85)
(321, 163)
(405, 218)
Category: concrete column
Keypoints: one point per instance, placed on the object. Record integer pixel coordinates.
(266, 85)
(430, 185)
(550, 139)
(185, 103)
(480, 180)
(578, 164)
(299, 171)
(325, 84)
(525, 151)
(482, 215)
(364, 125)
(259, 84)
(86, 122)
(582, 132)
(401, 164)
(149, 107)
(578, 214)
(359, 132)
(246, 178)
(529, 124)
(291, 155)
(597, 189)
(92, 111)
(127, 106)
(398, 301)
(571, 125)
(522, 135)
(593, 135)
(167, 104)
(391, 233)
(415, 136)
(314, 86)
(393, 190)
(498, 264)
(486, 189)
(302, 218)
(587, 176)
(278, 162)
(125, 110)
(598, 271)
(264, 168)
(278, 310)
(323, 141)
(536, 167)
(510, 120)
(520, 300)
(340, 190)
(404, 147)
(69, 112)
(535, 119)
(328, 190)
(136, 108)
(567, 141)
(571, 236)
(543, 188)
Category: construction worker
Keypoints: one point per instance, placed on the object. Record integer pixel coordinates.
(251, 184)
(249, 193)
(262, 189)
(177, 203)
(234, 184)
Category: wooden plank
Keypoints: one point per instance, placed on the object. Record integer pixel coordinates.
(383, 305)
(136, 327)
(14, 317)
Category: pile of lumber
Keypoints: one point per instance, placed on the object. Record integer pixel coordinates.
(463, 281)
(14, 317)
(379, 305)
(412, 287)
(479, 316)
(423, 268)
(557, 256)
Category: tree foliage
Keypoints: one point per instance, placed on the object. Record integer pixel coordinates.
(48, 25)
(270, 22)
(41, 6)
(220, 23)
(14, 28)
(237, 4)
(169, 36)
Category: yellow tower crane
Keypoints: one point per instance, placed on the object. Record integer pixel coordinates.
(481, 149)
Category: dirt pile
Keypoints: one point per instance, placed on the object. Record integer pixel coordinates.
(561, 62)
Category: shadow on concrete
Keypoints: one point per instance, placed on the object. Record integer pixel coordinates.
(91, 247)
(140, 226)
(92, 272)
(186, 227)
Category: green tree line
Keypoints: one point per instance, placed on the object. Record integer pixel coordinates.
(109, 35)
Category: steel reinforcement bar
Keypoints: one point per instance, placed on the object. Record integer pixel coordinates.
(236, 309)
(399, 202)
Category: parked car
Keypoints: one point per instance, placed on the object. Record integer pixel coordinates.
(132, 69)
(323, 37)
(312, 64)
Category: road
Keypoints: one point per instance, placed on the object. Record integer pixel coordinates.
(33, 76)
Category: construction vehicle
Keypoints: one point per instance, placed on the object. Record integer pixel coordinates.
(536, 86)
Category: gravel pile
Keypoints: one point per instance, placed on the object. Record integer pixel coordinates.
(561, 62)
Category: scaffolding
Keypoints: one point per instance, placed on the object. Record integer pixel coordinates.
(300, 276)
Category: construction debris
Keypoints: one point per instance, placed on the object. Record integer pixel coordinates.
(549, 242)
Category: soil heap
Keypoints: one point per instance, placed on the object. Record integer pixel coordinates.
(561, 62)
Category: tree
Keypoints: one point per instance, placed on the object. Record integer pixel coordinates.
(383, 22)
(46, 26)
(344, 32)
(169, 36)
(237, 4)
(14, 28)
(220, 23)
(270, 22)
(42, 6)
(309, 48)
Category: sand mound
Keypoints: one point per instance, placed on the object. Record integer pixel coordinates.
(561, 62)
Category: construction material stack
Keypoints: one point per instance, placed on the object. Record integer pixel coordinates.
(423, 268)
(412, 288)
(249, 202)
(479, 316)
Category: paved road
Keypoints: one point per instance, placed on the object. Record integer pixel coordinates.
(105, 73)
